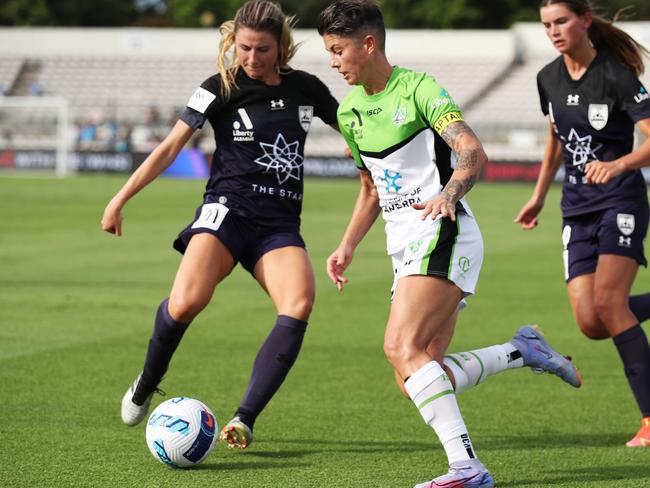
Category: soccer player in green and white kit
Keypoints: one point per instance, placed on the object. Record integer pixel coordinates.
(417, 160)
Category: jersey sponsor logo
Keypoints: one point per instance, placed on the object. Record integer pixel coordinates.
(598, 113)
(439, 102)
(573, 100)
(277, 104)
(581, 150)
(391, 181)
(445, 120)
(642, 95)
(305, 115)
(201, 100)
(374, 111)
(282, 157)
(239, 135)
(400, 115)
(625, 223)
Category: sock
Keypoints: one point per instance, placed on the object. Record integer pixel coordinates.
(271, 366)
(167, 334)
(473, 367)
(634, 350)
(640, 306)
(433, 395)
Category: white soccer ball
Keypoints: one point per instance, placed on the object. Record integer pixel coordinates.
(181, 432)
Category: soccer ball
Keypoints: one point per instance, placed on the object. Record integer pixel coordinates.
(181, 432)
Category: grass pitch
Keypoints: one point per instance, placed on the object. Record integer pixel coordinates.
(77, 309)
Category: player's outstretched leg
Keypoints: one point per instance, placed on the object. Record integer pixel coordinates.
(136, 401)
(642, 438)
(167, 334)
(540, 356)
(464, 474)
(236, 434)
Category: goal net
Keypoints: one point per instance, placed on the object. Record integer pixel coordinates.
(35, 134)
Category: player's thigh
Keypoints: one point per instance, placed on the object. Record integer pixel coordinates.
(423, 308)
(206, 262)
(287, 276)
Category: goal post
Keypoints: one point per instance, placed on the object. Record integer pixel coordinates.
(37, 125)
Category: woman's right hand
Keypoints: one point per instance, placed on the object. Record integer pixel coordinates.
(527, 216)
(112, 219)
(337, 262)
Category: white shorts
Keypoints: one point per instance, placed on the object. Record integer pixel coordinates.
(451, 250)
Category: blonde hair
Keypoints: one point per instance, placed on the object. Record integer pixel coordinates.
(604, 35)
(261, 16)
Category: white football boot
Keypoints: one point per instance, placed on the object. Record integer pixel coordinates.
(236, 434)
(132, 414)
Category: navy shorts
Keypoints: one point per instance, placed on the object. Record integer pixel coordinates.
(619, 230)
(246, 239)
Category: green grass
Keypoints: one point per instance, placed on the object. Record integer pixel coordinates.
(77, 306)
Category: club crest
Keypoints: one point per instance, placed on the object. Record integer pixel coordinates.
(305, 115)
(625, 223)
(598, 114)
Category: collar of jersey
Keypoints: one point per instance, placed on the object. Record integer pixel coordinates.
(578, 82)
(391, 81)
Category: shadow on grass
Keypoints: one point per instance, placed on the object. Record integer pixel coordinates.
(608, 474)
(248, 465)
(484, 443)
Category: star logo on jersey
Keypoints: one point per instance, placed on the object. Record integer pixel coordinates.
(391, 181)
(581, 150)
(282, 157)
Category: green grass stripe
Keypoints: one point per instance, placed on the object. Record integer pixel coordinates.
(434, 397)
(482, 367)
(432, 245)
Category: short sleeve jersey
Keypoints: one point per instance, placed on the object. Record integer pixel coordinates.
(260, 132)
(594, 118)
(395, 135)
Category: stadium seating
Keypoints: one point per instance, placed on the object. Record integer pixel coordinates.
(142, 79)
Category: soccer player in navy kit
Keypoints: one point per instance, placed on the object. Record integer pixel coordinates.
(593, 98)
(260, 110)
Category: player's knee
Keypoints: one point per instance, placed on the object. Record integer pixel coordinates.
(608, 306)
(591, 326)
(298, 307)
(183, 308)
(397, 352)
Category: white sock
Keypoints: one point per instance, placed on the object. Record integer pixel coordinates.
(473, 367)
(433, 395)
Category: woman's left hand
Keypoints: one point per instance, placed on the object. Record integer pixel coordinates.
(600, 173)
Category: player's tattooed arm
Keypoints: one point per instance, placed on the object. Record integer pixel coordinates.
(470, 158)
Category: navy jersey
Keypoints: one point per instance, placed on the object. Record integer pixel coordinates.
(594, 118)
(260, 132)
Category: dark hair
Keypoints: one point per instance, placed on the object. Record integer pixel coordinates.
(353, 18)
(261, 16)
(605, 36)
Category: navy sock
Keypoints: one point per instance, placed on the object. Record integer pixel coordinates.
(640, 306)
(634, 350)
(167, 334)
(271, 366)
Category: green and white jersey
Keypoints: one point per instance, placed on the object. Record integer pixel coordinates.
(395, 134)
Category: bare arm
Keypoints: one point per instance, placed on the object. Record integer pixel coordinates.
(159, 159)
(470, 159)
(601, 172)
(527, 216)
(366, 210)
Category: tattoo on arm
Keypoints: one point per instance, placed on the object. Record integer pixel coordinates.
(468, 159)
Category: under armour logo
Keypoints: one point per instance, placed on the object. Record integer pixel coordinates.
(573, 100)
(624, 241)
(277, 104)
